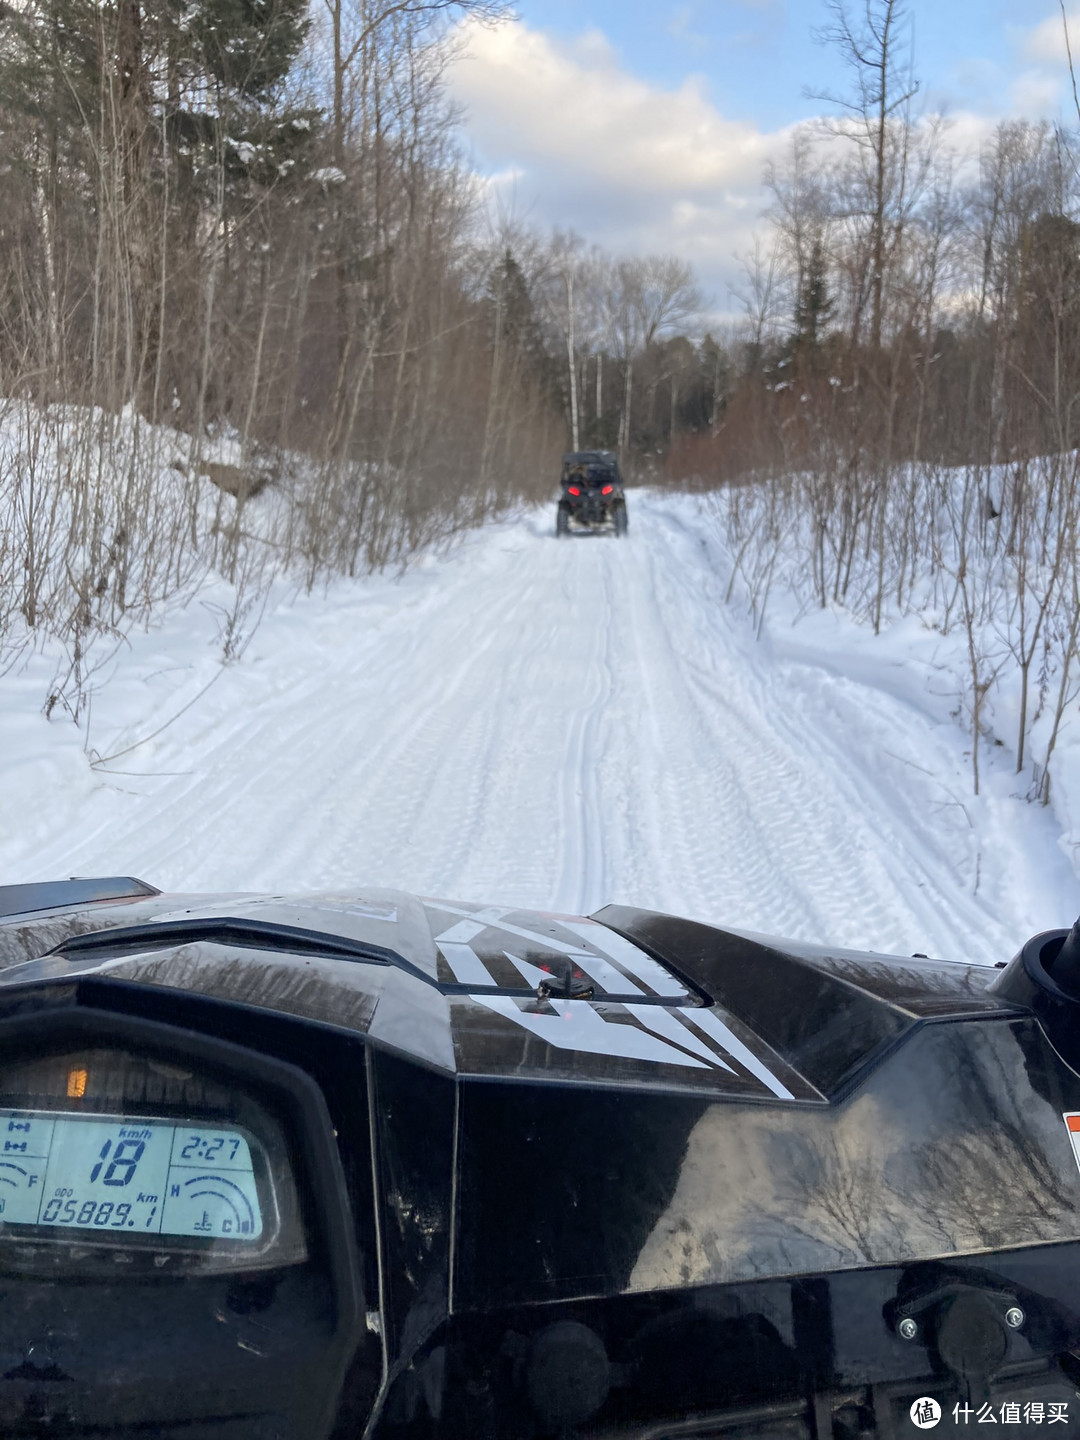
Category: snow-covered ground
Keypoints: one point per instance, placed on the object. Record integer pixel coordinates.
(551, 724)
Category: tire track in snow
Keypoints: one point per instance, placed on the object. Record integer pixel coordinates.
(831, 840)
(583, 873)
(729, 764)
(800, 849)
(384, 724)
(556, 725)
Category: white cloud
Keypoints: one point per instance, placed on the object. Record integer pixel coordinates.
(681, 28)
(569, 138)
(1036, 93)
(629, 164)
(1045, 44)
(1042, 88)
(577, 108)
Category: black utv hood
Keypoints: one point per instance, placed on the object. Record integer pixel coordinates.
(659, 1131)
(632, 997)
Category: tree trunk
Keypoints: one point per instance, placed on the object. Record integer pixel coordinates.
(569, 277)
(624, 438)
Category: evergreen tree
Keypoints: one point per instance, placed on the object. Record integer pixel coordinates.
(224, 63)
(138, 132)
(813, 306)
(520, 334)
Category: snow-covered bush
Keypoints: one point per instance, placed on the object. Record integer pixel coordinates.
(984, 555)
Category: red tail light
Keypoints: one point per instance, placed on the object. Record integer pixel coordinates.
(607, 489)
(574, 490)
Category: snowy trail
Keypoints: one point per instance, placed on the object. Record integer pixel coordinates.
(551, 724)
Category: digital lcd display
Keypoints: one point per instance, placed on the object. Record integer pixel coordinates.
(120, 1176)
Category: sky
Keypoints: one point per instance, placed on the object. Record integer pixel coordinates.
(647, 127)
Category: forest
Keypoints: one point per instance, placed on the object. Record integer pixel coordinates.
(242, 254)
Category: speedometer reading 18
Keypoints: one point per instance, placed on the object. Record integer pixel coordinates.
(119, 1176)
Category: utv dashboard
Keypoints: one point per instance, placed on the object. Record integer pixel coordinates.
(365, 1164)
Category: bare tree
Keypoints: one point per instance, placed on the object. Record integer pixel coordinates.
(883, 86)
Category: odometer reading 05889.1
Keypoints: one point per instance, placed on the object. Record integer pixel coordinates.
(120, 1176)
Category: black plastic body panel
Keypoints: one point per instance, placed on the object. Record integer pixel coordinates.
(954, 1145)
(831, 1015)
(56, 894)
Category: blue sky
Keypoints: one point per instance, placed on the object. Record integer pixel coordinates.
(758, 56)
(646, 127)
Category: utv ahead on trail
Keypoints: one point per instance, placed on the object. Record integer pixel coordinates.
(592, 494)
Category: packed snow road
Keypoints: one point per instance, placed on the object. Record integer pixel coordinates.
(555, 724)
